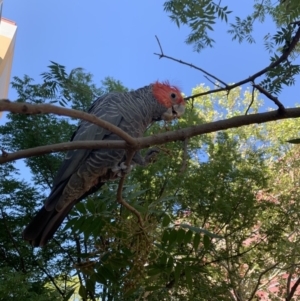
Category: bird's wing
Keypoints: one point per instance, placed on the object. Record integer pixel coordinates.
(103, 108)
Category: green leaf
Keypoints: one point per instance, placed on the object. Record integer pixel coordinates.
(188, 237)
(189, 278)
(177, 271)
(172, 236)
(170, 265)
(166, 220)
(206, 242)
(108, 273)
(90, 285)
(200, 230)
(180, 236)
(154, 271)
(152, 288)
(69, 294)
(98, 277)
(82, 292)
(196, 241)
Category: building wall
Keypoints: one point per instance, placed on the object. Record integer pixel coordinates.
(7, 44)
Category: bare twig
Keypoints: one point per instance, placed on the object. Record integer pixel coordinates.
(184, 156)
(33, 109)
(259, 279)
(162, 55)
(270, 96)
(163, 138)
(4, 153)
(120, 190)
(161, 50)
(252, 100)
(214, 83)
(51, 279)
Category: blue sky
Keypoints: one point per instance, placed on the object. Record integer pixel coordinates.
(116, 38)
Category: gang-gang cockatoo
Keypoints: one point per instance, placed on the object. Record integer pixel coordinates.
(85, 171)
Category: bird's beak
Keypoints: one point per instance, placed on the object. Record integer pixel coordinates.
(176, 111)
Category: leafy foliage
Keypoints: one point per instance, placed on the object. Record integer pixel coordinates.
(215, 227)
(201, 16)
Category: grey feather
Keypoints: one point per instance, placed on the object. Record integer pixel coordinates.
(84, 171)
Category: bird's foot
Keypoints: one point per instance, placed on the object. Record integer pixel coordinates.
(122, 169)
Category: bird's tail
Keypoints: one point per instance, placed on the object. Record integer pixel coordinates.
(44, 225)
(46, 222)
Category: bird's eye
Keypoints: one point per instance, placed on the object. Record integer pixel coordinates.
(173, 95)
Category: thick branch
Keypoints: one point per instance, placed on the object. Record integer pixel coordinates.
(33, 109)
(293, 290)
(181, 134)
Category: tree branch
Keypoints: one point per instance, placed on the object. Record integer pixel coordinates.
(120, 190)
(259, 279)
(281, 108)
(184, 156)
(162, 55)
(51, 279)
(33, 109)
(252, 78)
(145, 142)
(252, 100)
(292, 292)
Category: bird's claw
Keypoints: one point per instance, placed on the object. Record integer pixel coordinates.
(151, 155)
(122, 169)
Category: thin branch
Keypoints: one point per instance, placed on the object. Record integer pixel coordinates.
(70, 257)
(4, 153)
(161, 50)
(293, 290)
(33, 109)
(163, 138)
(270, 96)
(162, 55)
(51, 279)
(120, 190)
(259, 279)
(291, 272)
(252, 100)
(216, 84)
(252, 78)
(258, 11)
(184, 156)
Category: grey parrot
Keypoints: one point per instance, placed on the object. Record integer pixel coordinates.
(84, 171)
